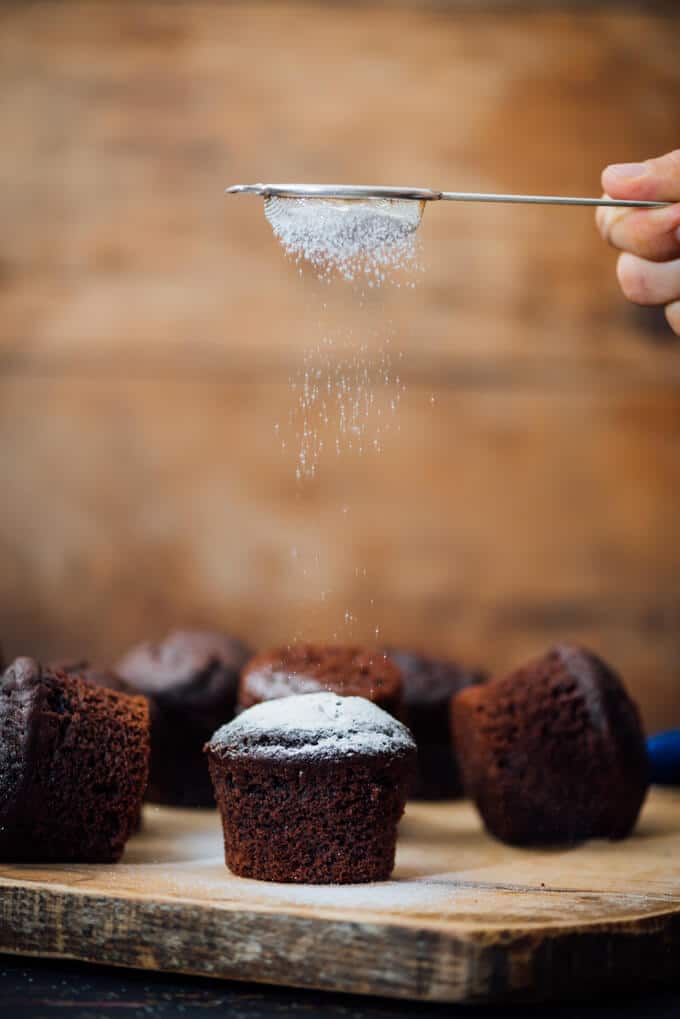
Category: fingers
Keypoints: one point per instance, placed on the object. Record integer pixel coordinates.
(673, 316)
(655, 180)
(654, 233)
(645, 282)
(649, 268)
(649, 233)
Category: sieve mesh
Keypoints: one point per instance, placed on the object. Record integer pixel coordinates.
(350, 237)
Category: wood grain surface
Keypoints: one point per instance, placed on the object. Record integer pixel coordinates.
(528, 489)
(464, 918)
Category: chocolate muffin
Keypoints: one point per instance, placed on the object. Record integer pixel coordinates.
(554, 752)
(73, 766)
(347, 670)
(100, 677)
(311, 789)
(429, 685)
(191, 680)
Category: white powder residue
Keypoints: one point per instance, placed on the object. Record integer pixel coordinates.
(368, 237)
(416, 895)
(379, 896)
(318, 725)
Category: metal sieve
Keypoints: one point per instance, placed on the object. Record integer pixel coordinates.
(348, 191)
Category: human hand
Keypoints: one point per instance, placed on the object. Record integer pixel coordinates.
(649, 268)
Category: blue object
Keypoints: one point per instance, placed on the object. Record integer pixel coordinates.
(663, 750)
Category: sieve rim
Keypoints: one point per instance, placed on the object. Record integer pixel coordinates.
(350, 191)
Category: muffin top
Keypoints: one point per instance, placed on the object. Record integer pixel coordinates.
(93, 674)
(432, 680)
(348, 670)
(54, 689)
(318, 726)
(608, 705)
(570, 688)
(191, 670)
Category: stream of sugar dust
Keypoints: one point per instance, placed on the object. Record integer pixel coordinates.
(348, 388)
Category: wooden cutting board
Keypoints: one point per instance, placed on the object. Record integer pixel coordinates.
(465, 918)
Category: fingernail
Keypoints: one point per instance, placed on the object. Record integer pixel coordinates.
(627, 169)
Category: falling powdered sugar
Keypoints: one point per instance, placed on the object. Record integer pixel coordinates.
(368, 243)
(348, 397)
(371, 237)
(319, 725)
(347, 390)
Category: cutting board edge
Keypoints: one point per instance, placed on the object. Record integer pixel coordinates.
(412, 961)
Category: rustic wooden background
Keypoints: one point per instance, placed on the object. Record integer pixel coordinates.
(528, 487)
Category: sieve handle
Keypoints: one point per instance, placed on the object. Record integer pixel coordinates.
(471, 196)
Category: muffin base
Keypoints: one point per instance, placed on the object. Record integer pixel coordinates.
(331, 823)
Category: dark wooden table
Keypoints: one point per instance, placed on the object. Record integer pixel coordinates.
(33, 989)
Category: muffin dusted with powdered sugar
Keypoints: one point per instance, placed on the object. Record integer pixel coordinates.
(191, 679)
(345, 669)
(311, 789)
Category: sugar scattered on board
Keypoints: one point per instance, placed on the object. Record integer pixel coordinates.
(419, 895)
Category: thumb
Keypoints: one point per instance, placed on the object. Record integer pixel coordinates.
(655, 180)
